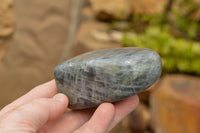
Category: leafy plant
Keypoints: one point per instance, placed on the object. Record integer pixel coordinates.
(178, 54)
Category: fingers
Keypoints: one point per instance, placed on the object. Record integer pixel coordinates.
(100, 121)
(45, 90)
(34, 115)
(73, 120)
(69, 122)
(123, 108)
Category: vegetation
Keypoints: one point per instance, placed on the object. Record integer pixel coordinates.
(178, 54)
(183, 18)
(175, 35)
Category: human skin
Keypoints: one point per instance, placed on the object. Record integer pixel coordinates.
(43, 110)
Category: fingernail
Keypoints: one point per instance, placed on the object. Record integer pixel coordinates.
(59, 97)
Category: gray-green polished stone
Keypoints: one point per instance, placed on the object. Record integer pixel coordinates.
(107, 75)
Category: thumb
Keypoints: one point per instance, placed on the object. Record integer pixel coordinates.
(32, 116)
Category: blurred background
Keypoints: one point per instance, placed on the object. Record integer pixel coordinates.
(37, 35)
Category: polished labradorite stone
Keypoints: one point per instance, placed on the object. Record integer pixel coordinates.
(107, 75)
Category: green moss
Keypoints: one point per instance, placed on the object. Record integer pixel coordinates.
(178, 55)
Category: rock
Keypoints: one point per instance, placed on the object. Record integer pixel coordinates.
(7, 25)
(140, 119)
(108, 36)
(144, 96)
(123, 126)
(116, 36)
(186, 8)
(101, 36)
(111, 9)
(196, 15)
(184, 17)
(149, 7)
(4, 44)
(121, 25)
(175, 105)
(89, 38)
(107, 75)
(36, 47)
(137, 121)
(7, 21)
(87, 14)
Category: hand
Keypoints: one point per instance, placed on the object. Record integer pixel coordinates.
(42, 110)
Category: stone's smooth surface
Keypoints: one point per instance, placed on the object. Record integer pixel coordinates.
(107, 75)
